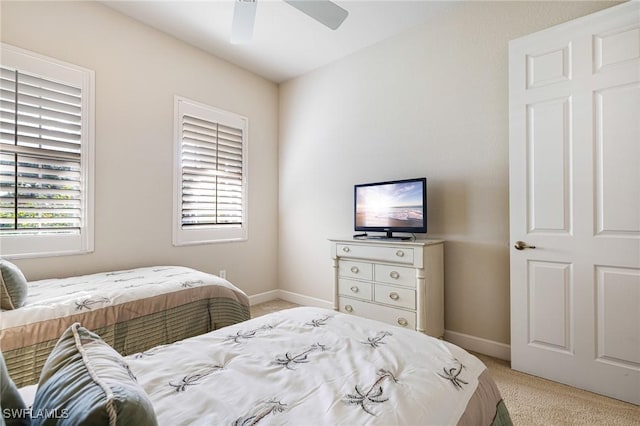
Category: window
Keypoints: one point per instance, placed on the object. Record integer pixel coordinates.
(46, 155)
(210, 184)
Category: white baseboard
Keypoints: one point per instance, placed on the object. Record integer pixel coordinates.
(289, 296)
(267, 296)
(478, 344)
(301, 299)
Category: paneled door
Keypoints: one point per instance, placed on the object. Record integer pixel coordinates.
(574, 160)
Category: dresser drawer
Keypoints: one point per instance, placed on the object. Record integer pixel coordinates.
(353, 269)
(357, 289)
(386, 314)
(396, 296)
(388, 254)
(395, 275)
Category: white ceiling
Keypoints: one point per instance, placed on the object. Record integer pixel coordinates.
(286, 43)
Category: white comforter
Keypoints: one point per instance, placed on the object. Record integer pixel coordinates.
(308, 366)
(59, 298)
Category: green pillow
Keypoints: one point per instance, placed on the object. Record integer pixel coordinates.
(13, 286)
(86, 382)
(13, 411)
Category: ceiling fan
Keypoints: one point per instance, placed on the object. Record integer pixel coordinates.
(323, 11)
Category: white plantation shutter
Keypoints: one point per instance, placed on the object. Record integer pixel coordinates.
(211, 173)
(45, 155)
(40, 177)
(211, 177)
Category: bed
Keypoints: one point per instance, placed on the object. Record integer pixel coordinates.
(300, 366)
(132, 310)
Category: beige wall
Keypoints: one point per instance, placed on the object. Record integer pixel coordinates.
(431, 102)
(138, 71)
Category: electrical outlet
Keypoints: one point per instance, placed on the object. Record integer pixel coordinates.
(223, 274)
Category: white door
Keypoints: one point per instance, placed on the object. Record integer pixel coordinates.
(574, 94)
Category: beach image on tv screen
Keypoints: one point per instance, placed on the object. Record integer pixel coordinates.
(392, 205)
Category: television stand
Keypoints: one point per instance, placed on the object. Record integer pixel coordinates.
(389, 236)
(400, 283)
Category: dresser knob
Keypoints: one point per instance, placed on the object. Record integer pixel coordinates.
(355, 289)
(346, 249)
(403, 322)
(400, 253)
(348, 308)
(394, 274)
(394, 296)
(355, 269)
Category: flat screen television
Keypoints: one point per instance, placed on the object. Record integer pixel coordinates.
(393, 206)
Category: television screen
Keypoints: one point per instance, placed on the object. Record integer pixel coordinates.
(395, 206)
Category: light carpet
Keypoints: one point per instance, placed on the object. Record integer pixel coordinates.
(535, 401)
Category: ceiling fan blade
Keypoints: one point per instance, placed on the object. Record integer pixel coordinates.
(323, 11)
(244, 16)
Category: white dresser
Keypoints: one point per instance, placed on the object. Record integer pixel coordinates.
(398, 282)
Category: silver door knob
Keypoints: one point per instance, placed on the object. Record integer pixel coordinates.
(521, 245)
